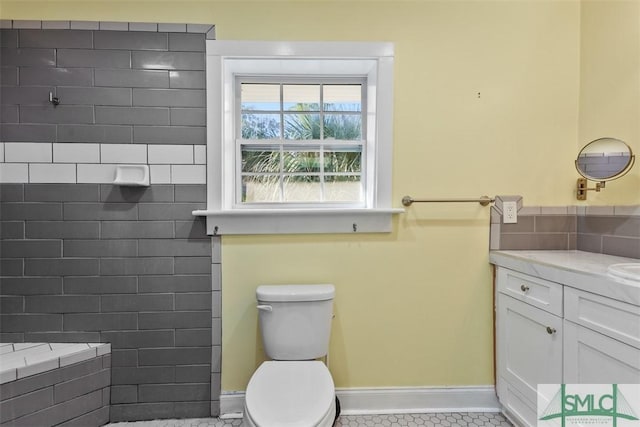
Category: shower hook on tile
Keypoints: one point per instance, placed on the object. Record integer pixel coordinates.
(53, 99)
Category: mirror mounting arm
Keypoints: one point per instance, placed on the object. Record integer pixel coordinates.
(583, 188)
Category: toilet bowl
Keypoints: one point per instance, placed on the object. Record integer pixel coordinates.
(290, 394)
(293, 389)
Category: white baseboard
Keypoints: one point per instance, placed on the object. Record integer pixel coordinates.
(231, 404)
(394, 400)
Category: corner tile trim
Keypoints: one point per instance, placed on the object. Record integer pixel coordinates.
(207, 29)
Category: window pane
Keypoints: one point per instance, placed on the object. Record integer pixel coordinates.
(343, 126)
(342, 97)
(301, 97)
(260, 159)
(260, 126)
(301, 161)
(262, 97)
(302, 126)
(343, 188)
(302, 188)
(346, 160)
(260, 188)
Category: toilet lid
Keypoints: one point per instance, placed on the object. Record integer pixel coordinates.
(290, 393)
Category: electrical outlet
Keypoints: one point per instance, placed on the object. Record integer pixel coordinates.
(509, 212)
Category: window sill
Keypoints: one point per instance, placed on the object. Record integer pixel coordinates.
(298, 221)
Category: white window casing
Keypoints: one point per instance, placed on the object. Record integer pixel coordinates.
(227, 59)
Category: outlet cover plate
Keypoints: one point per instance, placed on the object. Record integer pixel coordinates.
(509, 212)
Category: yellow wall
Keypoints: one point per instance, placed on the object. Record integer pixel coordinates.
(413, 307)
(610, 86)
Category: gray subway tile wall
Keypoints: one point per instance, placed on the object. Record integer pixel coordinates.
(131, 41)
(93, 58)
(40, 76)
(169, 134)
(55, 39)
(95, 95)
(94, 262)
(28, 57)
(36, 95)
(131, 78)
(90, 71)
(105, 281)
(187, 79)
(27, 132)
(94, 133)
(601, 229)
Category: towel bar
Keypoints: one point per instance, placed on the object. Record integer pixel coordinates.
(483, 200)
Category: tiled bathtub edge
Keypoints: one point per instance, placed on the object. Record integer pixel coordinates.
(75, 389)
(26, 359)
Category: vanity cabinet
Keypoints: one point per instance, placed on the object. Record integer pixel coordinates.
(529, 337)
(602, 340)
(550, 333)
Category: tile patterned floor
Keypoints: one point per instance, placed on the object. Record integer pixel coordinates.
(452, 419)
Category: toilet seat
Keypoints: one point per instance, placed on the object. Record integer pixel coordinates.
(290, 394)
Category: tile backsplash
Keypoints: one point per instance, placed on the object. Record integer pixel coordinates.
(613, 230)
(613, 235)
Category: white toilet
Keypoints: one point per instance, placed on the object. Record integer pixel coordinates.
(293, 389)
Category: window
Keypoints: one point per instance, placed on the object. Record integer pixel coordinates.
(300, 142)
(298, 137)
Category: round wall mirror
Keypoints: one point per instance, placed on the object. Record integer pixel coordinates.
(604, 159)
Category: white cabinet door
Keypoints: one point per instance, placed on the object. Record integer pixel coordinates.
(593, 358)
(529, 346)
(518, 409)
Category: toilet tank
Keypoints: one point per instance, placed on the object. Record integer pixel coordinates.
(295, 320)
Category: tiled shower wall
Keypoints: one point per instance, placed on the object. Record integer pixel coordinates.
(612, 230)
(125, 97)
(83, 260)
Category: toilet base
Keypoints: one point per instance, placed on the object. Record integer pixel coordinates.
(327, 421)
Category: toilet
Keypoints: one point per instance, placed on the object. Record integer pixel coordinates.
(293, 389)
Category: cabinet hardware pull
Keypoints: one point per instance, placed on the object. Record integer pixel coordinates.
(524, 288)
(551, 330)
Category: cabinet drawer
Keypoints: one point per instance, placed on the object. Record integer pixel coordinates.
(532, 290)
(613, 318)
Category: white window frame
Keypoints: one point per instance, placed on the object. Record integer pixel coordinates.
(323, 144)
(227, 59)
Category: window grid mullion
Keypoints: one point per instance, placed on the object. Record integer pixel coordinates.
(281, 171)
(322, 183)
(321, 107)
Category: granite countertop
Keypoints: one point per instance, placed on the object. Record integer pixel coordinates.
(586, 271)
